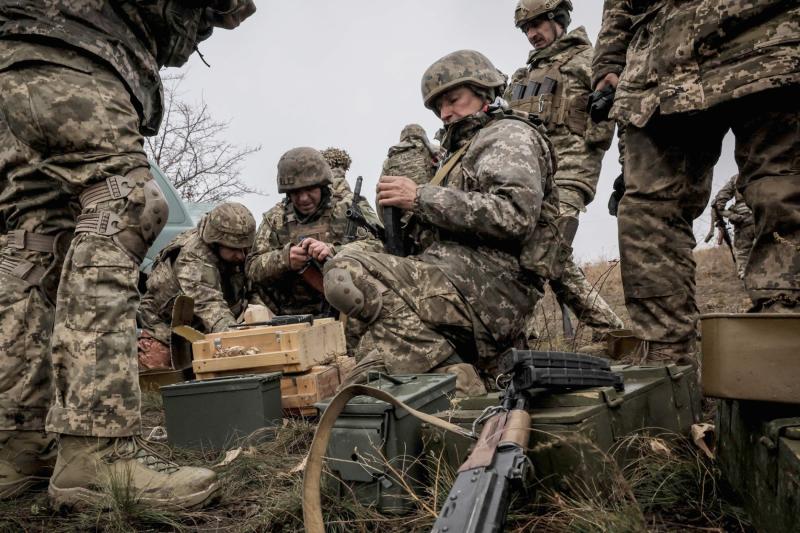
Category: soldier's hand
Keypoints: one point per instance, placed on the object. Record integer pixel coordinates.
(397, 191)
(297, 257)
(610, 79)
(317, 249)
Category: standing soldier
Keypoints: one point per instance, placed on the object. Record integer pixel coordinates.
(465, 297)
(205, 264)
(685, 73)
(310, 223)
(79, 86)
(740, 217)
(555, 86)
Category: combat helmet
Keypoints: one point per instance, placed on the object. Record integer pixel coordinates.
(229, 224)
(337, 158)
(459, 68)
(556, 10)
(302, 167)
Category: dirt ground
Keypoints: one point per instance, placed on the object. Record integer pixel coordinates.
(669, 486)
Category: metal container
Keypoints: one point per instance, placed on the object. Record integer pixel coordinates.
(752, 357)
(216, 413)
(375, 450)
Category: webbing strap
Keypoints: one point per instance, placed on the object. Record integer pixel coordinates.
(449, 165)
(102, 223)
(27, 240)
(112, 188)
(22, 269)
(312, 502)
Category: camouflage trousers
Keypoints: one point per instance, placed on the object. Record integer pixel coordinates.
(69, 337)
(668, 172)
(424, 325)
(743, 237)
(583, 299)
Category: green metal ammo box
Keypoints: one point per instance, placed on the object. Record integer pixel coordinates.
(215, 413)
(572, 431)
(758, 446)
(375, 448)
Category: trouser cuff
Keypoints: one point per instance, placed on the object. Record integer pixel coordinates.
(107, 424)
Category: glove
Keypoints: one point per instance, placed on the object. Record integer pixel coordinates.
(231, 15)
(616, 196)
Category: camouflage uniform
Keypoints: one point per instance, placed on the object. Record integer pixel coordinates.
(466, 296)
(690, 71)
(339, 161)
(190, 265)
(742, 219)
(413, 157)
(580, 145)
(79, 84)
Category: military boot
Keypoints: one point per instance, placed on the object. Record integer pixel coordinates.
(26, 461)
(90, 468)
(681, 353)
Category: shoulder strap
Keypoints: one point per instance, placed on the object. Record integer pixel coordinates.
(450, 164)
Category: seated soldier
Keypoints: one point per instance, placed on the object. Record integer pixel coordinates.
(465, 297)
(206, 264)
(310, 223)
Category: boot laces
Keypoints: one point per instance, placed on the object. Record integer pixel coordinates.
(138, 449)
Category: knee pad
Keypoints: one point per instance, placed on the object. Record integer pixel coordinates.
(134, 223)
(357, 298)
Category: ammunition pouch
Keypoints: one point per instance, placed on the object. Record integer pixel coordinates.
(547, 250)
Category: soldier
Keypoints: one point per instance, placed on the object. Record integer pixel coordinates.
(339, 161)
(465, 297)
(309, 223)
(685, 73)
(206, 264)
(565, 58)
(415, 156)
(79, 86)
(742, 219)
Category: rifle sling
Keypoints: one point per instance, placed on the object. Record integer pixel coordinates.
(449, 165)
(312, 502)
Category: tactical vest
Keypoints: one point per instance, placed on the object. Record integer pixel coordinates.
(553, 107)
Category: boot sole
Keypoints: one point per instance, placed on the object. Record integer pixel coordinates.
(81, 499)
(21, 486)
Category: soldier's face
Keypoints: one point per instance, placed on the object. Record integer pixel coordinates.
(307, 199)
(232, 255)
(541, 32)
(458, 103)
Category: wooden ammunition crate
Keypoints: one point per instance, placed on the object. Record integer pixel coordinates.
(299, 392)
(293, 348)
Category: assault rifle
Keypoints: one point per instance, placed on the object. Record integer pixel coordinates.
(391, 235)
(479, 499)
(355, 217)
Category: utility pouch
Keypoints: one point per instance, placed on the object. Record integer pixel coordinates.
(546, 251)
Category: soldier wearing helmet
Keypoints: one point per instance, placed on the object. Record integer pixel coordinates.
(555, 86)
(308, 224)
(206, 264)
(463, 299)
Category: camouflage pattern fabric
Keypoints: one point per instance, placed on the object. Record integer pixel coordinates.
(668, 173)
(63, 130)
(282, 227)
(465, 297)
(742, 219)
(413, 157)
(695, 54)
(189, 266)
(134, 38)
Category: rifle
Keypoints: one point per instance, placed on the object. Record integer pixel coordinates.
(718, 222)
(284, 320)
(393, 231)
(479, 499)
(355, 217)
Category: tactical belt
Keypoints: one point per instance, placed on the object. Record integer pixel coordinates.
(22, 269)
(26, 240)
(113, 188)
(102, 223)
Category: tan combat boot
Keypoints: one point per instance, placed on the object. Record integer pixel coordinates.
(90, 468)
(26, 461)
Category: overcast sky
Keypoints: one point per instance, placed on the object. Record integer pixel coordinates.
(347, 74)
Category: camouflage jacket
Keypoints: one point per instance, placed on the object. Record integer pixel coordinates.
(685, 56)
(268, 263)
(486, 208)
(133, 37)
(739, 214)
(412, 157)
(189, 266)
(579, 143)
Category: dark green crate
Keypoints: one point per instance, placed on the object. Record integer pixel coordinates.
(372, 442)
(217, 413)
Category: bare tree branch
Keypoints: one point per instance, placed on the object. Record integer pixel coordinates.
(192, 151)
